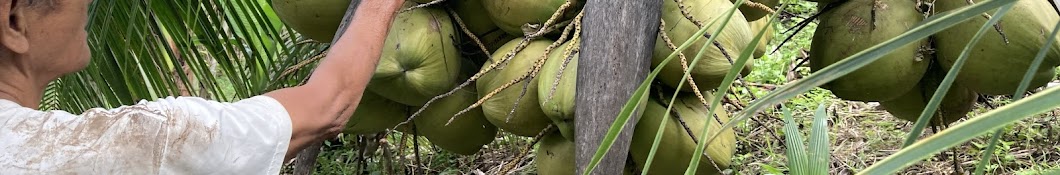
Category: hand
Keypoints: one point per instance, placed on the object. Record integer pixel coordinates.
(320, 108)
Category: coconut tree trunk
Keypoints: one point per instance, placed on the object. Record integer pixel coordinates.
(306, 160)
(617, 42)
(1055, 7)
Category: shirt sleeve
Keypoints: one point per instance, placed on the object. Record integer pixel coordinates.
(168, 136)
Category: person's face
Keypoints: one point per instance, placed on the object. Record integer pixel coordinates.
(51, 37)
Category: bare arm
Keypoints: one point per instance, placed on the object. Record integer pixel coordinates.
(320, 108)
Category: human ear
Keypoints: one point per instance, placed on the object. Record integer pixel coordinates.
(13, 27)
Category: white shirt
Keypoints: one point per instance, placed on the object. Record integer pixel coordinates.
(169, 136)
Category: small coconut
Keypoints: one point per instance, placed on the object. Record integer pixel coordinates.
(375, 114)
(472, 13)
(763, 43)
(676, 146)
(560, 108)
(851, 28)
(995, 65)
(754, 13)
(528, 119)
(419, 59)
(713, 67)
(315, 19)
(955, 105)
(466, 134)
(511, 15)
(555, 155)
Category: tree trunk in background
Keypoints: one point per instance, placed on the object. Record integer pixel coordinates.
(617, 42)
(305, 162)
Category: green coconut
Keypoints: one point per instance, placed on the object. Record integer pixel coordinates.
(955, 105)
(466, 134)
(315, 19)
(676, 147)
(763, 43)
(994, 66)
(419, 59)
(471, 13)
(511, 15)
(528, 119)
(849, 29)
(753, 13)
(555, 155)
(375, 114)
(560, 106)
(710, 69)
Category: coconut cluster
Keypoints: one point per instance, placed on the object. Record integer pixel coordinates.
(904, 81)
(459, 71)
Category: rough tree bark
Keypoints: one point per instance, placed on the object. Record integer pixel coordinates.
(306, 160)
(617, 41)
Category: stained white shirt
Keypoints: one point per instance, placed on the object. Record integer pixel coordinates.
(168, 136)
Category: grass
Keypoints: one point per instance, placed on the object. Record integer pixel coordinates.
(862, 133)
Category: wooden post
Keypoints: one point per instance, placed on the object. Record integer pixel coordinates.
(306, 160)
(617, 42)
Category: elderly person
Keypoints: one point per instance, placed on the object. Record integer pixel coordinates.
(41, 40)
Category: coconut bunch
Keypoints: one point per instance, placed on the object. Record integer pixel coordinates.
(459, 71)
(904, 80)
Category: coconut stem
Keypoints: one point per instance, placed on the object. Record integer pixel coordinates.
(759, 6)
(302, 64)
(421, 6)
(526, 150)
(416, 148)
(463, 27)
(568, 56)
(491, 67)
(684, 62)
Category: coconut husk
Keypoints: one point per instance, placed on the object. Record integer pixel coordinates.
(476, 21)
(676, 146)
(560, 108)
(375, 114)
(317, 20)
(996, 65)
(955, 105)
(528, 119)
(713, 67)
(555, 155)
(763, 43)
(753, 13)
(466, 134)
(850, 28)
(419, 60)
(511, 15)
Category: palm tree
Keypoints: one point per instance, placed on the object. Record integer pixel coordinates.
(221, 49)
